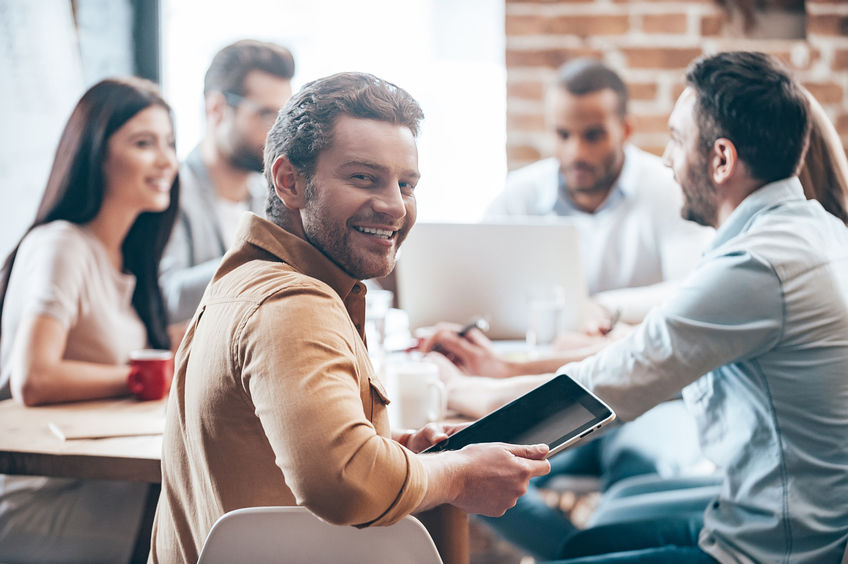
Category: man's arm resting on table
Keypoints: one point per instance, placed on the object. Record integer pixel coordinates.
(474, 354)
(475, 397)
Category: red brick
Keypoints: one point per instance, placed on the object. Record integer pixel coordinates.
(549, 1)
(659, 58)
(664, 1)
(525, 89)
(827, 24)
(712, 24)
(549, 58)
(580, 25)
(825, 92)
(842, 124)
(642, 90)
(515, 165)
(649, 123)
(525, 122)
(677, 89)
(664, 23)
(785, 55)
(658, 150)
(523, 153)
(840, 59)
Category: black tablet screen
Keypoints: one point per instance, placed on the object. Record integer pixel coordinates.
(553, 413)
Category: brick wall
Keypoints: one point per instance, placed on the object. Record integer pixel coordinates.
(650, 42)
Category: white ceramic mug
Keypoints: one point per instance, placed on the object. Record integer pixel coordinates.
(416, 392)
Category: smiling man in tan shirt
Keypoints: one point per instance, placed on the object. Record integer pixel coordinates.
(274, 399)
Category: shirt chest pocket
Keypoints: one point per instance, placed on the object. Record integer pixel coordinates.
(378, 391)
(379, 399)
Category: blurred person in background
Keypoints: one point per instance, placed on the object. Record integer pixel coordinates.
(623, 201)
(824, 175)
(245, 86)
(77, 295)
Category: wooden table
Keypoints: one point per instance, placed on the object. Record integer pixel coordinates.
(29, 446)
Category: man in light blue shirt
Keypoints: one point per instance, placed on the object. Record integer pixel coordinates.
(756, 337)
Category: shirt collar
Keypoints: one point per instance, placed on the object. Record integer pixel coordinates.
(624, 187)
(297, 253)
(762, 199)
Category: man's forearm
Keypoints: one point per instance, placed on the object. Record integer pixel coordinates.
(475, 397)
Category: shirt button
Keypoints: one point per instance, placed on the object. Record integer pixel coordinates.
(715, 504)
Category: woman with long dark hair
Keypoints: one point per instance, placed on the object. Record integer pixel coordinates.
(77, 295)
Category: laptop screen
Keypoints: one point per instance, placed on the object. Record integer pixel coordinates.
(456, 271)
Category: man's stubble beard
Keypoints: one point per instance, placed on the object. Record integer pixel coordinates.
(244, 158)
(333, 244)
(699, 197)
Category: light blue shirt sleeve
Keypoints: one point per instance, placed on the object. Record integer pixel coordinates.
(713, 319)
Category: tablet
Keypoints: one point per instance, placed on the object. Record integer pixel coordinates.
(558, 413)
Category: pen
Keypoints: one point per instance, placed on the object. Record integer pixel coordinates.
(477, 323)
(614, 317)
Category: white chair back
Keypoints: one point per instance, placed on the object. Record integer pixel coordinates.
(294, 535)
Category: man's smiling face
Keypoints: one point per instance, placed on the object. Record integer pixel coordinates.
(360, 200)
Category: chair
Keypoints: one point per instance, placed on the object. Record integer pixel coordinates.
(294, 535)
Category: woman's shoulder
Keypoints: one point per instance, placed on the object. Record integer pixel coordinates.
(58, 233)
(60, 238)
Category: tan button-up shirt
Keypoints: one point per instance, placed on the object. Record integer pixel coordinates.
(275, 402)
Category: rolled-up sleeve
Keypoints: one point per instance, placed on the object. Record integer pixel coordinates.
(728, 310)
(299, 366)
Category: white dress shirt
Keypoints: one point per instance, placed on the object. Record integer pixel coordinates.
(636, 238)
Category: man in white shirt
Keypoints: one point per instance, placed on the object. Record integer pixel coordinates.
(624, 202)
(245, 86)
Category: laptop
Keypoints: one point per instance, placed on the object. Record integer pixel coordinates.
(458, 271)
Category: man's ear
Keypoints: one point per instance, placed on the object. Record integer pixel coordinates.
(289, 184)
(723, 160)
(628, 128)
(216, 105)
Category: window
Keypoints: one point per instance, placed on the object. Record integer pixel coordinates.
(449, 55)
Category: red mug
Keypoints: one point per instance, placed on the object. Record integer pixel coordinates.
(151, 371)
